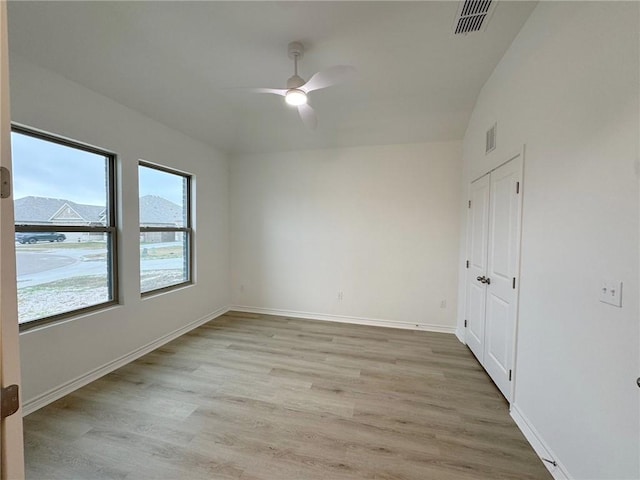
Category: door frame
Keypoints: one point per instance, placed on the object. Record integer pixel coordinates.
(520, 153)
(11, 439)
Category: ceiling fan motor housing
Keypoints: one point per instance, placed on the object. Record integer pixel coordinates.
(295, 82)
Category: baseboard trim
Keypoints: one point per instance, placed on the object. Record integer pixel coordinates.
(559, 472)
(345, 319)
(60, 391)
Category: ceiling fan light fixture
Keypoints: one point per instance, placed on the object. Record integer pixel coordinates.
(295, 97)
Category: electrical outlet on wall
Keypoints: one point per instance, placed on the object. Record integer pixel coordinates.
(611, 292)
(443, 304)
(340, 296)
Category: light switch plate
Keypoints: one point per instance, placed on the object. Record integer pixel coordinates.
(611, 293)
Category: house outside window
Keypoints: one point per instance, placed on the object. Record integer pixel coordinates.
(65, 227)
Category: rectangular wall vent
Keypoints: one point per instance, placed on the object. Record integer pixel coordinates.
(473, 16)
(491, 139)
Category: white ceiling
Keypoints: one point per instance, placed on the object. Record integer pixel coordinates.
(180, 63)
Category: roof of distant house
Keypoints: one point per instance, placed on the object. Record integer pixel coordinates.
(42, 209)
(158, 210)
(154, 210)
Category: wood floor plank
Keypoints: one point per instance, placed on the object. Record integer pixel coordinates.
(260, 397)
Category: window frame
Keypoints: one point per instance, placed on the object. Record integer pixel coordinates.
(111, 227)
(187, 230)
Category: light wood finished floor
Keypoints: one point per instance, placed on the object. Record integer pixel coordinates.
(263, 397)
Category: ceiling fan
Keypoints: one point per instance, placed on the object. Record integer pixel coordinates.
(297, 89)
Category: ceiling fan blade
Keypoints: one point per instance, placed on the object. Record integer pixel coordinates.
(330, 76)
(276, 91)
(308, 116)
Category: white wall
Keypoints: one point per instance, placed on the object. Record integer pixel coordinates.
(379, 224)
(54, 355)
(568, 89)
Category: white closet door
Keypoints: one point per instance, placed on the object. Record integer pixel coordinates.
(503, 259)
(478, 234)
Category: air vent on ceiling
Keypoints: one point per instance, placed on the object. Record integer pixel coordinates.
(491, 139)
(473, 16)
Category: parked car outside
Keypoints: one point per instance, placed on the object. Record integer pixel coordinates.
(35, 237)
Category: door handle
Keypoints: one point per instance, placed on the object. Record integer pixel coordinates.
(480, 279)
(484, 279)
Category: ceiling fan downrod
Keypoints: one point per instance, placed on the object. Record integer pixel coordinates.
(294, 95)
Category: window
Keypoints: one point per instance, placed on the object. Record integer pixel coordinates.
(65, 227)
(165, 228)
